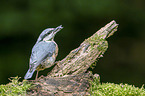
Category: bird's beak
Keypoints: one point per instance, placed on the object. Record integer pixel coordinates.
(57, 29)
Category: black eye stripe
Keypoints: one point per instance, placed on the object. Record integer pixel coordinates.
(50, 31)
(46, 34)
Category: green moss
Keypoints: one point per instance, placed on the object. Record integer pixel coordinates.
(111, 89)
(101, 43)
(15, 87)
(98, 40)
(93, 65)
(94, 40)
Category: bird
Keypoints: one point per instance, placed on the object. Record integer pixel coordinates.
(44, 52)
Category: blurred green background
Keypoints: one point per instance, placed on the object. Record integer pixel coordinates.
(21, 22)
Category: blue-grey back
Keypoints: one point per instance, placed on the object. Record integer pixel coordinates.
(41, 51)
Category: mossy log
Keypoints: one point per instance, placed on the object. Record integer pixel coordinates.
(69, 76)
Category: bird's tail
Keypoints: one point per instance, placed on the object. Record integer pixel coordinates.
(29, 74)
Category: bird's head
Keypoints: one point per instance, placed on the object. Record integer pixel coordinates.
(49, 34)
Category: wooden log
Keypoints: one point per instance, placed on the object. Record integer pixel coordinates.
(90, 50)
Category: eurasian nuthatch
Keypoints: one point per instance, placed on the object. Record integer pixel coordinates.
(44, 52)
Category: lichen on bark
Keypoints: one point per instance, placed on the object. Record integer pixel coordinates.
(81, 58)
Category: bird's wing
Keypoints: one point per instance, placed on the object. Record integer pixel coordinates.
(41, 51)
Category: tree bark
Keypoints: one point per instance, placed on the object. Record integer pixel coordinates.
(69, 77)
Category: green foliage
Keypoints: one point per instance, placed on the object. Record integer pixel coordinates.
(111, 89)
(14, 88)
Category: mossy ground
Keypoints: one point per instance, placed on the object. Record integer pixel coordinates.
(15, 87)
(111, 89)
